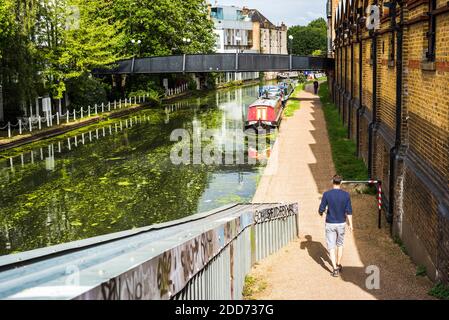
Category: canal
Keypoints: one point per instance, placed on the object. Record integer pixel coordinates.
(120, 175)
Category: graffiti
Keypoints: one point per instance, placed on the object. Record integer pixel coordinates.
(110, 290)
(166, 274)
(163, 273)
(280, 212)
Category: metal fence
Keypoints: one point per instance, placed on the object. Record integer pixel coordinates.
(49, 120)
(223, 278)
(205, 256)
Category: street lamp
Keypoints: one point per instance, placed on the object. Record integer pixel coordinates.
(290, 37)
(136, 42)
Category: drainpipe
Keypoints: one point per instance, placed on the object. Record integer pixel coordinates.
(346, 81)
(374, 114)
(399, 80)
(359, 109)
(341, 74)
(352, 89)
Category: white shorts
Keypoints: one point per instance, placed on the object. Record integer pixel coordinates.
(335, 235)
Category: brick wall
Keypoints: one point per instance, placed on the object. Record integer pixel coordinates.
(421, 167)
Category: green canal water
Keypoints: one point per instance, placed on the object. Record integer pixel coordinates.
(119, 175)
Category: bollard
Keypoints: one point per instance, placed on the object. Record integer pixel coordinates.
(74, 115)
(96, 109)
(57, 118)
(68, 113)
(20, 126)
(31, 124)
(88, 111)
(9, 129)
(135, 100)
(115, 104)
(51, 119)
(40, 124)
(102, 107)
(82, 114)
(120, 104)
(109, 106)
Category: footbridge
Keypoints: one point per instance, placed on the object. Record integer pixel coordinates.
(227, 62)
(204, 256)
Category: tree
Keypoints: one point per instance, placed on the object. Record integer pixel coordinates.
(307, 39)
(161, 25)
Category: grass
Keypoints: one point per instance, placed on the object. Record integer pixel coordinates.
(440, 291)
(252, 286)
(293, 103)
(346, 162)
(421, 271)
(401, 245)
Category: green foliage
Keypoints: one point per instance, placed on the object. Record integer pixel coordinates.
(308, 39)
(293, 103)
(302, 78)
(401, 244)
(86, 91)
(440, 291)
(252, 286)
(343, 150)
(161, 26)
(421, 271)
(44, 44)
(317, 53)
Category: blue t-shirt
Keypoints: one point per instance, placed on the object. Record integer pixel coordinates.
(339, 205)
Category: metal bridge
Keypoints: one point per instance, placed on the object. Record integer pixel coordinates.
(204, 256)
(226, 62)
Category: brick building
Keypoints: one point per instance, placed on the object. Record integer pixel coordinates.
(391, 86)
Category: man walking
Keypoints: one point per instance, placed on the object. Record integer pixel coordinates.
(339, 211)
(316, 85)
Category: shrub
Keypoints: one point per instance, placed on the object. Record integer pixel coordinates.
(86, 91)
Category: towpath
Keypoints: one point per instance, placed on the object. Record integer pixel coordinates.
(300, 170)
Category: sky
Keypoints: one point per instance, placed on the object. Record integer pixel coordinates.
(291, 12)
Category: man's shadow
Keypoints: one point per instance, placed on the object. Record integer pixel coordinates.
(317, 251)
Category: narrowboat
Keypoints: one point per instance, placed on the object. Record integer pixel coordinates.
(264, 113)
(287, 90)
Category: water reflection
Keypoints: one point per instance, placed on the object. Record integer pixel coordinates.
(119, 176)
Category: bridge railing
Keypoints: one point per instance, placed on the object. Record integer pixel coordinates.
(225, 62)
(205, 256)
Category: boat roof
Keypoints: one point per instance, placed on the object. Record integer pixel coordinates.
(264, 103)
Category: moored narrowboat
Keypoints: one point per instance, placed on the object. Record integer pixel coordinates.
(264, 113)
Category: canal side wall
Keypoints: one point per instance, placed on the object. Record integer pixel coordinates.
(200, 257)
(403, 131)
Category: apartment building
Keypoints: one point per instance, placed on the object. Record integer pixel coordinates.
(244, 30)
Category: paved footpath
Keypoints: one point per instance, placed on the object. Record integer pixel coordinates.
(299, 171)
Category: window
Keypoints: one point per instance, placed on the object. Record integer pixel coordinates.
(217, 13)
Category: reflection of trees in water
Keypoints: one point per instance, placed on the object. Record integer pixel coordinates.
(109, 180)
(125, 181)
